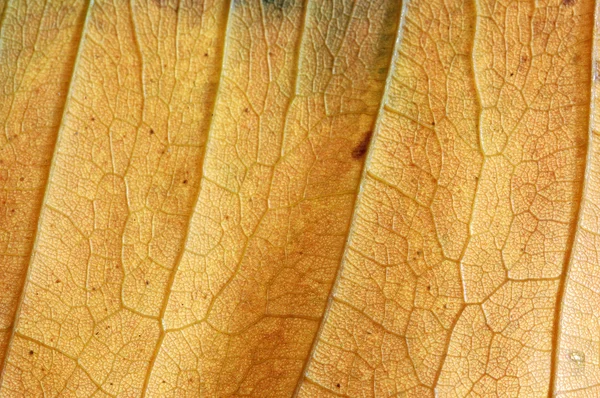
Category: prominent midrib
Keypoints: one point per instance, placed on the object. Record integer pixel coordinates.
(173, 273)
(42, 207)
(357, 197)
(574, 233)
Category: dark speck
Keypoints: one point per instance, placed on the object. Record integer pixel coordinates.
(568, 3)
(359, 151)
(31, 352)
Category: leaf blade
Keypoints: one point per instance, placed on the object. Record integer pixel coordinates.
(251, 321)
(574, 369)
(31, 115)
(401, 221)
(126, 170)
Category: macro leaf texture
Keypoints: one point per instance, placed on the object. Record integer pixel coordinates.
(299, 198)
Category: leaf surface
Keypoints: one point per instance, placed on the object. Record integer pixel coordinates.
(121, 187)
(38, 43)
(293, 117)
(298, 198)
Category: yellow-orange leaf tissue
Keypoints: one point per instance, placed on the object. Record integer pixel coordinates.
(299, 198)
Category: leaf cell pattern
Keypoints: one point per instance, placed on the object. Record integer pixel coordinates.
(299, 198)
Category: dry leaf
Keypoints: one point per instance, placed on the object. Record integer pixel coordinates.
(276, 198)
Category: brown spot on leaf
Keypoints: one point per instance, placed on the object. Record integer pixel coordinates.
(359, 151)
